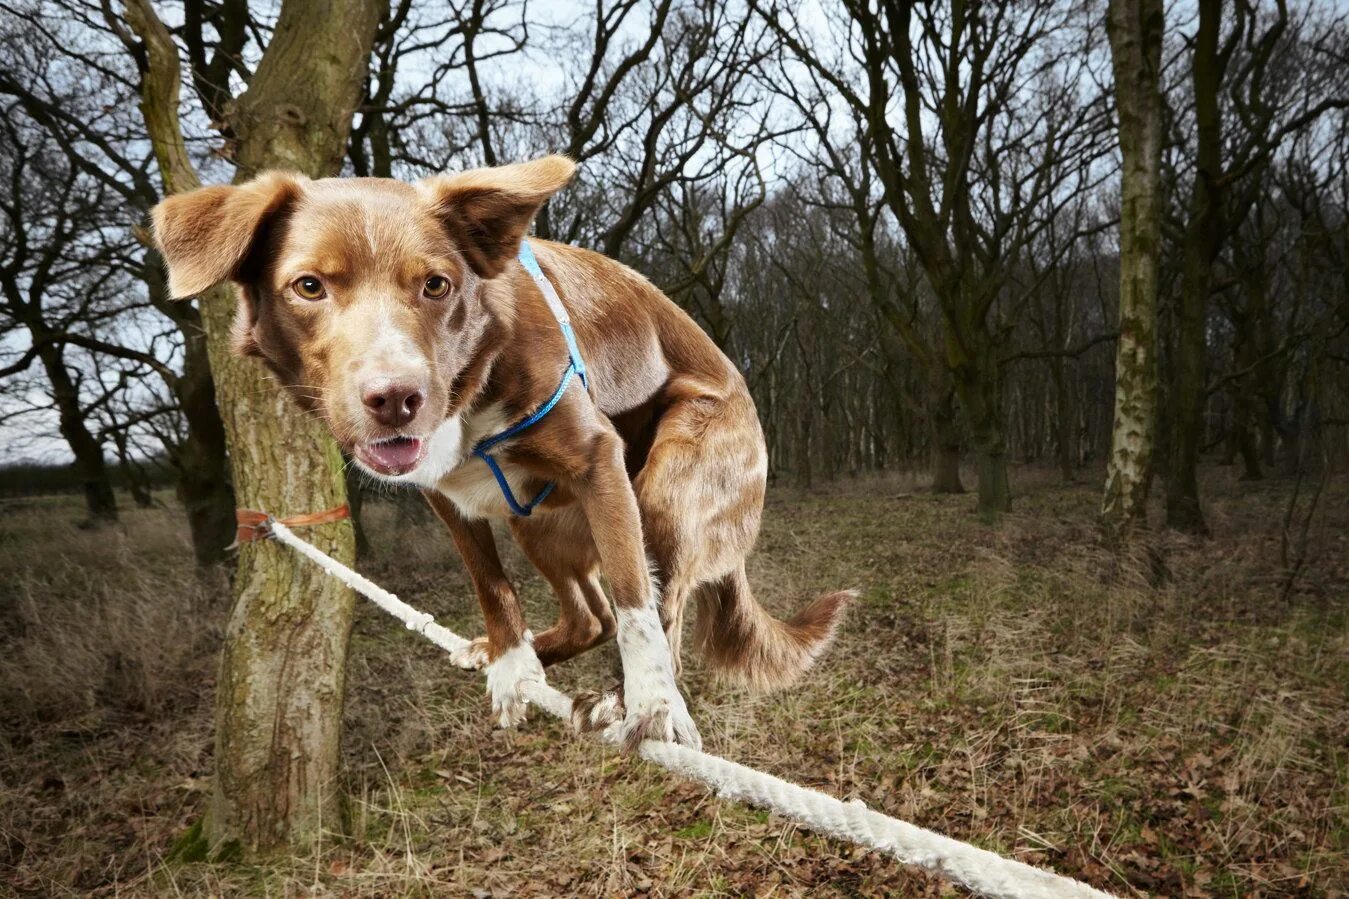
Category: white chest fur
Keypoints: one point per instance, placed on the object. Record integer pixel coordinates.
(474, 489)
(451, 468)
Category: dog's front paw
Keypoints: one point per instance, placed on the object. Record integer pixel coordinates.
(655, 710)
(471, 657)
(662, 716)
(507, 679)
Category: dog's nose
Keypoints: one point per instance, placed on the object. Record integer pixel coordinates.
(392, 403)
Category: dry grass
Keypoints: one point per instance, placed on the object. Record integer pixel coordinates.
(1162, 723)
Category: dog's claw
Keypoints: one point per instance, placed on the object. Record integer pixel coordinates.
(657, 719)
(592, 711)
(508, 713)
(472, 657)
(660, 719)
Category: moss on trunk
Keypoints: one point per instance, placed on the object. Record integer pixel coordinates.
(282, 669)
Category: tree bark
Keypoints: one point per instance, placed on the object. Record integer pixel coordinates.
(1203, 236)
(1135, 30)
(282, 671)
(945, 444)
(978, 386)
(89, 465)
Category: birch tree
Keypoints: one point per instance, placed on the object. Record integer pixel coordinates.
(1135, 29)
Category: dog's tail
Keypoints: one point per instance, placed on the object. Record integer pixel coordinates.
(743, 643)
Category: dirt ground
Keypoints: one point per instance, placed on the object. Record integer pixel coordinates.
(1171, 722)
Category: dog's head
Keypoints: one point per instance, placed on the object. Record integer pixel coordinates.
(365, 296)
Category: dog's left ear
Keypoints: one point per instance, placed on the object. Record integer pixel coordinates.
(487, 211)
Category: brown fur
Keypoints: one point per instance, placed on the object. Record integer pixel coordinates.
(660, 463)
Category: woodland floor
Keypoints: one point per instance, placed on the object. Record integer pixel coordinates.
(1168, 724)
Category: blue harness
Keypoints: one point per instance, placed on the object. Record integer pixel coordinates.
(575, 366)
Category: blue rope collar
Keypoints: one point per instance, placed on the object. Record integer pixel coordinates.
(575, 368)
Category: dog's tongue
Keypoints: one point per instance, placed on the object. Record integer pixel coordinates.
(397, 456)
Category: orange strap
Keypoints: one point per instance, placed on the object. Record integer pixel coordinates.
(253, 525)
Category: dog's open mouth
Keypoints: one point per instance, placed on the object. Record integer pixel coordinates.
(394, 456)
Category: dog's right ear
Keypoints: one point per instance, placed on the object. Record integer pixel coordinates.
(206, 235)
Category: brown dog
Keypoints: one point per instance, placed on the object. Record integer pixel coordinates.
(402, 314)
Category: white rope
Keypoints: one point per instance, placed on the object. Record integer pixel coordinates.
(978, 870)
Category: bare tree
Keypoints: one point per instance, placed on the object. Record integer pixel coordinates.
(1135, 28)
(453, 114)
(282, 673)
(1244, 110)
(843, 155)
(59, 243)
(969, 175)
(59, 73)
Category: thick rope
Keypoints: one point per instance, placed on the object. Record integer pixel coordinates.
(978, 870)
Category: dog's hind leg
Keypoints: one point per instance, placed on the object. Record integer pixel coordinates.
(559, 546)
(701, 496)
(584, 620)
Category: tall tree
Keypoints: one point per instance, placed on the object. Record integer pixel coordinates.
(282, 671)
(56, 68)
(844, 157)
(58, 278)
(1202, 243)
(976, 145)
(1253, 88)
(1135, 29)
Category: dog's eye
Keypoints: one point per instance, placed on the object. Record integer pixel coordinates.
(309, 288)
(436, 287)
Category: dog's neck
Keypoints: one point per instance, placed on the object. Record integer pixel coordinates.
(474, 386)
(518, 354)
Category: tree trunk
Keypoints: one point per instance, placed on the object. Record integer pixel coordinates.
(1247, 444)
(282, 671)
(805, 473)
(1243, 434)
(1065, 422)
(1135, 29)
(1251, 355)
(1202, 242)
(89, 466)
(978, 386)
(201, 462)
(990, 448)
(945, 444)
(995, 491)
(136, 482)
(355, 501)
